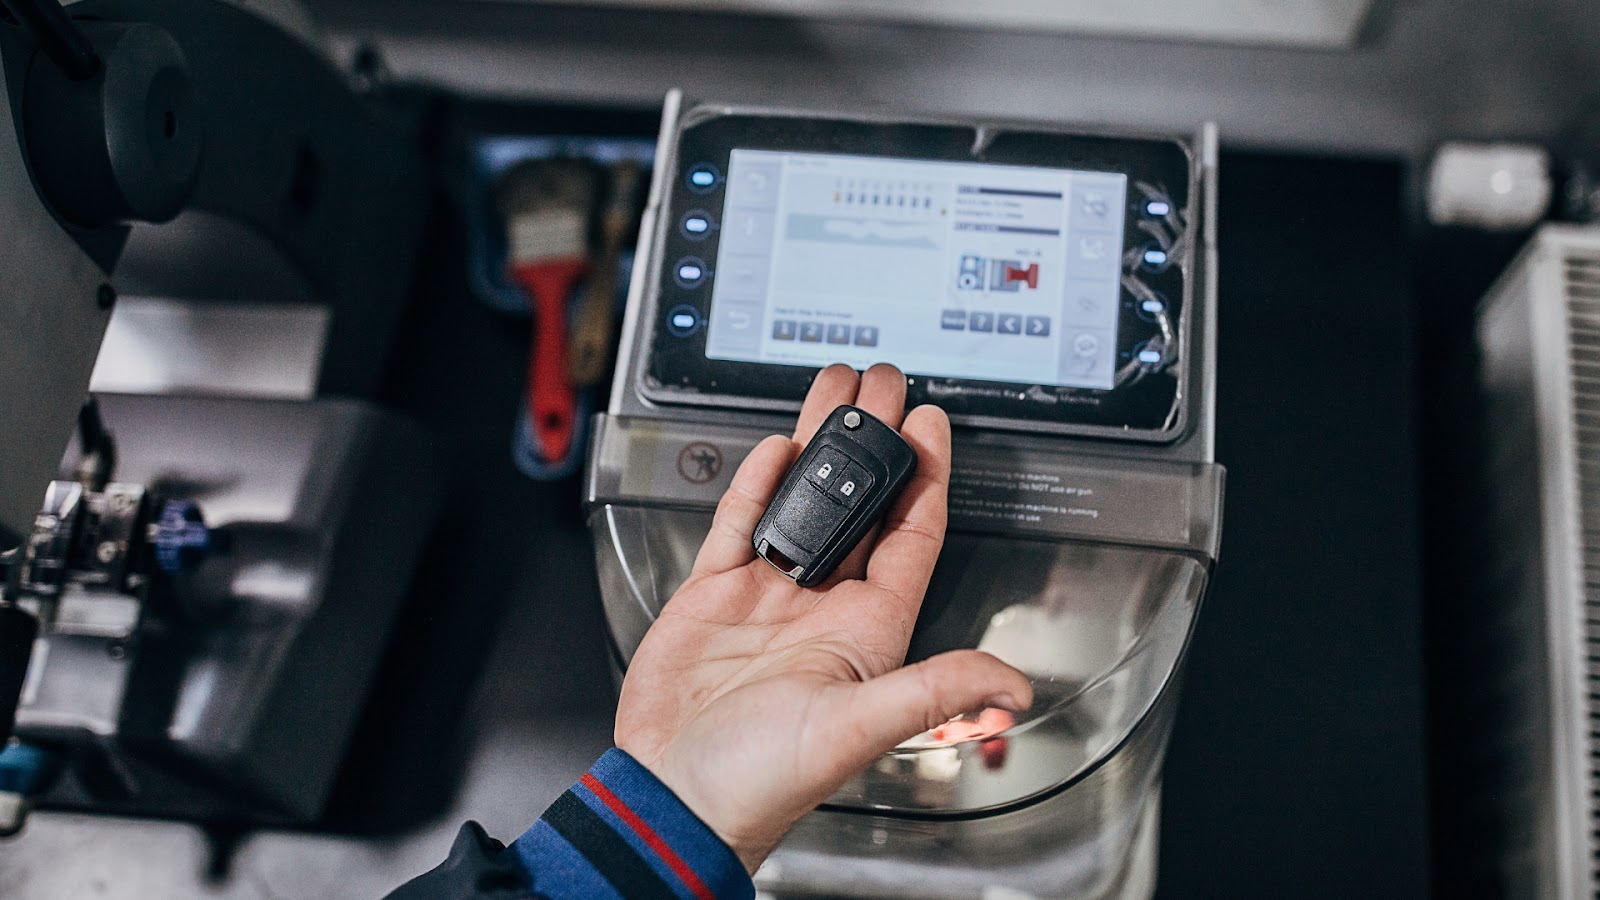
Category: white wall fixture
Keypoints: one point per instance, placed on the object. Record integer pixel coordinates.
(1498, 187)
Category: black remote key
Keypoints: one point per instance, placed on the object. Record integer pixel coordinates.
(842, 483)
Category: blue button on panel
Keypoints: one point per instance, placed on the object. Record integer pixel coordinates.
(683, 321)
(689, 272)
(703, 178)
(696, 224)
(1155, 257)
(1157, 208)
(1150, 309)
(1150, 357)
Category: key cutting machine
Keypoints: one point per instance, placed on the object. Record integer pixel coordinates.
(195, 600)
(1053, 289)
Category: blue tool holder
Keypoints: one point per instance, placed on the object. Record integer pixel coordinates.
(491, 156)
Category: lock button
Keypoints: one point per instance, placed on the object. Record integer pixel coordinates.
(826, 468)
(849, 486)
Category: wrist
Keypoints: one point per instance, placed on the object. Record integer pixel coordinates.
(624, 821)
(714, 804)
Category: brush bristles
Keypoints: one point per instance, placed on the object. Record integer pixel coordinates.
(546, 204)
(544, 183)
(551, 234)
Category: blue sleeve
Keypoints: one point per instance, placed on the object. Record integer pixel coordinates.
(620, 833)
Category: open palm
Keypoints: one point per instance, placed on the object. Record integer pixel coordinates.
(754, 699)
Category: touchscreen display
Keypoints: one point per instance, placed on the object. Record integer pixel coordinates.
(949, 269)
(1022, 279)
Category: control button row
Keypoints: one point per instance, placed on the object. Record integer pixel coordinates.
(820, 332)
(998, 323)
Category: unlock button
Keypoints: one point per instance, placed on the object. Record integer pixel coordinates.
(850, 485)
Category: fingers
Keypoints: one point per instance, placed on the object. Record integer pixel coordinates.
(913, 532)
(883, 393)
(893, 707)
(727, 546)
(835, 385)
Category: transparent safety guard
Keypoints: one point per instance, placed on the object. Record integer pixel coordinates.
(1098, 628)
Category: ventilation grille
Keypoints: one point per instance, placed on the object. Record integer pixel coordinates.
(1583, 314)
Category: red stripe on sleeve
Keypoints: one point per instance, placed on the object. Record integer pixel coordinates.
(649, 836)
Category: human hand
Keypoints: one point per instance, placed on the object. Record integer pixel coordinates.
(754, 699)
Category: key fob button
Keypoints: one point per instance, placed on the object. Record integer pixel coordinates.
(808, 518)
(826, 467)
(850, 485)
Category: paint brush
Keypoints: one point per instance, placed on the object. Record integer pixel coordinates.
(546, 204)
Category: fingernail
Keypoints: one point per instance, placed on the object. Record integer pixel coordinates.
(1006, 701)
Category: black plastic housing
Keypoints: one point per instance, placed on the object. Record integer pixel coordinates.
(809, 529)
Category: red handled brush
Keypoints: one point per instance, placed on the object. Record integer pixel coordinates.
(546, 205)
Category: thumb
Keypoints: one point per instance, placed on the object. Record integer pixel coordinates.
(908, 701)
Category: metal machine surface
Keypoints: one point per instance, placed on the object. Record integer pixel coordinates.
(241, 122)
(212, 711)
(207, 587)
(1085, 505)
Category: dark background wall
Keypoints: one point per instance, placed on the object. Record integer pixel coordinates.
(1297, 766)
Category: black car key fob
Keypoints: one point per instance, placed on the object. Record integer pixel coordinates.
(842, 483)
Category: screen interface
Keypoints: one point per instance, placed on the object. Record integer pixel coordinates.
(947, 269)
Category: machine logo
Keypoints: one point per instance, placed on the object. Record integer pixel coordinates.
(699, 462)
